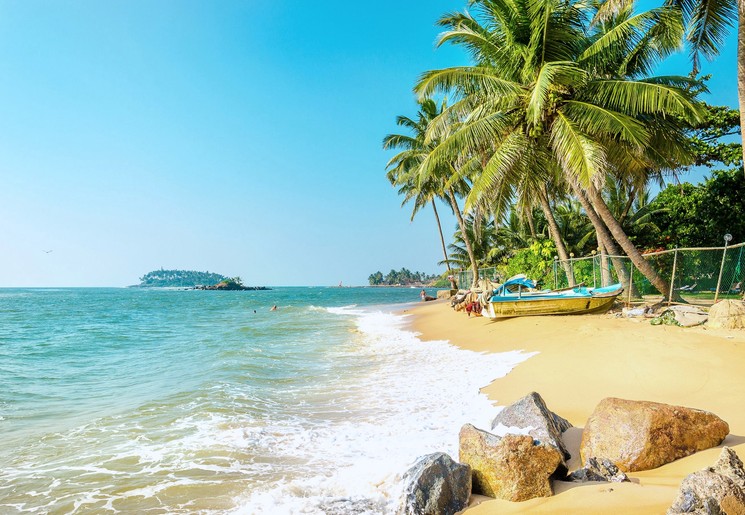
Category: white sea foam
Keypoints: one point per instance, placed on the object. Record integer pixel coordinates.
(336, 442)
(412, 399)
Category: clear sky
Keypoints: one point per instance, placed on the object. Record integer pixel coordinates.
(242, 138)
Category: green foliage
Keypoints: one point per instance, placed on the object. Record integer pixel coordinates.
(179, 278)
(536, 262)
(719, 122)
(699, 215)
(233, 282)
(402, 277)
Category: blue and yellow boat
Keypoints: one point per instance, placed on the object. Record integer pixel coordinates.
(518, 297)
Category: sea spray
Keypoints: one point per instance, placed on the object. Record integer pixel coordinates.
(411, 399)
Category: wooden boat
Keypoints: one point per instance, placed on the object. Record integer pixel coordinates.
(517, 297)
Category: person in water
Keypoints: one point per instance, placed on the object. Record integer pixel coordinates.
(423, 295)
(274, 308)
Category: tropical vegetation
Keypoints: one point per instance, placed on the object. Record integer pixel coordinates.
(179, 278)
(403, 277)
(552, 137)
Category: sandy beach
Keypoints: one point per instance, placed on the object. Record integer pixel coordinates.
(583, 359)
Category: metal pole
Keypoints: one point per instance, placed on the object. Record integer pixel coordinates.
(672, 279)
(631, 281)
(572, 279)
(556, 275)
(727, 238)
(594, 280)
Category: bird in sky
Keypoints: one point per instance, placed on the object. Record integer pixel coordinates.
(47, 251)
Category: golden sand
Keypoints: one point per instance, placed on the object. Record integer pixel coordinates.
(583, 359)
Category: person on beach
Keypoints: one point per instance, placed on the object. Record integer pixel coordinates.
(423, 295)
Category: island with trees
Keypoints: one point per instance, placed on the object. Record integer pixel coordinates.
(193, 279)
(402, 277)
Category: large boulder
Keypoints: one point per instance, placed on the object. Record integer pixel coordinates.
(531, 416)
(727, 314)
(716, 490)
(514, 467)
(435, 485)
(641, 435)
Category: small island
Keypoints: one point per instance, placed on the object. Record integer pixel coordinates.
(233, 283)
(405, 277)
(191, 279)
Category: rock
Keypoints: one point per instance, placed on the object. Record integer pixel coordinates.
(514, 468)
(531, 413)
(641, 435)
(727, 314)
(435, 485)
(706, 492)
(729, 464)
(716, 490)
(598, 470)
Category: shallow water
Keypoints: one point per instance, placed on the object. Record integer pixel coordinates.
(163, 401)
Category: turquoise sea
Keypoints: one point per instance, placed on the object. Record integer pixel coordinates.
(181, 401)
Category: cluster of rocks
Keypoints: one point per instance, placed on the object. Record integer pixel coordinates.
(231, 286)
(525, 453)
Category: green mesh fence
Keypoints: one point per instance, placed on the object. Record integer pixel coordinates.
(702, 274)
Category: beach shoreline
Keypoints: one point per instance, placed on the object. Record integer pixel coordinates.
(582, 359)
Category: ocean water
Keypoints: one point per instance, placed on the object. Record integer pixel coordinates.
(168, 401)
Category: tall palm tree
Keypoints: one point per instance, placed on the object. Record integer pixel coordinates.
(541, 96)
(403, 169)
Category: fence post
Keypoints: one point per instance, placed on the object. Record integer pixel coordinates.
(727, 239)
(572, 280)
(594, 281)
(556, 275)
(672, 279)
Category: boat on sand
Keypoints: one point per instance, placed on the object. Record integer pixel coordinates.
(518, 297)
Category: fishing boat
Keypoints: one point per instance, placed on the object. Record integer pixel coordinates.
(518, 297)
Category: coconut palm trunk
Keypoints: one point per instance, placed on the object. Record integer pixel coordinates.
(444, 249)
(466, 239)
(531, 225)
(604, 271)
(553, 228)
(605, 242)
(644, 267)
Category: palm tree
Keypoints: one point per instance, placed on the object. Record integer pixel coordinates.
(705, 25)
(543, 96)
(483, 236)
(403, 169)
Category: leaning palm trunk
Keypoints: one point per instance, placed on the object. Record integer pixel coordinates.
(646, 269)
(605, 241)
(444, 249)
(604, 271)
(553, 228)
(466, 239)
(741, 64)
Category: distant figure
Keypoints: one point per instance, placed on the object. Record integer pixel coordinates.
(254, 311)
(423, 295)
(274, 308)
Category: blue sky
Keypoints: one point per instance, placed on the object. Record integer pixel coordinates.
(237, 137)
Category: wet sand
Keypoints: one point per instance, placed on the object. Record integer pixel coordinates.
(583, 359)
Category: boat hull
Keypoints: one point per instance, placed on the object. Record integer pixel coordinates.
(531, 306)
